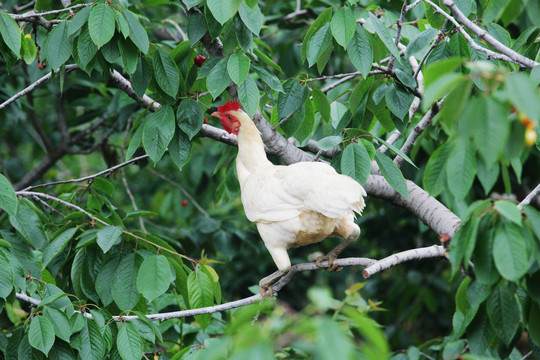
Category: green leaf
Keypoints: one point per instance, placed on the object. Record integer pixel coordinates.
(266, 60)
(248, 94)
(135, 142)
(200, 294)
(101, 24)
(534, 324)
(461, 169)
(332, 342)
(434, 179)
(129, 54)
(92, 345)
(534, 216)
(86, 49)
(292, 98)
(29, 50)
(398, 152)
(122, 23)
(56, 246)
(104, 280)
(491, 128)
(41, 334)
(189, 117)
(58, 46)
(124, 282)
(509, 210)
(268, 77)
(196, 28)
(510, 252)
(158, 132)
(384, 34)
(391, 173)
(305, 129)
(503, 312)
(79, 20)
(142, 76)
(524, 94)
(343, 25)
(137, 33)
(154, 276)
(180, 149)
(28, 224)
(8, 198)
(223, 10)
(360, 51)
(329, 142)
(435, 19)
(108, 236)
(321, 20)
(238, 67)
(6, 275)
(463, 243)
(251, 16)
(356, 162)
(418, 46)
(318, 43)
(480, 334)
(440, 88)
(166, 73)
(398, 101)
(218, 79)
(10, 33)
(59, 321)
(322, 105)
(244, 36)
(129, 343)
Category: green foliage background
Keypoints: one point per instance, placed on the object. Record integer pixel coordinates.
(125, 243)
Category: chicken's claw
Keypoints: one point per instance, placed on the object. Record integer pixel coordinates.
(265, 285)
(331, 266)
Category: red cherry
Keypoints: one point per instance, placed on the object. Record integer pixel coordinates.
(199, 60)
(184, 203)
(205, 121)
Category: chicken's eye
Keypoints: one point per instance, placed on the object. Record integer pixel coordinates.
(229, 117)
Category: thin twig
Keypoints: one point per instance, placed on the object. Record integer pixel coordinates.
(436, 42)
(283, 120)
(399, 23)
(413, 5)
(89, 177)
(529, 197)
(374, 267)
(30, 15)
(34, 85)
(178, 28)
(417, 131)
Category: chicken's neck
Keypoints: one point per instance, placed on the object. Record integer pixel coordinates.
(251, 155)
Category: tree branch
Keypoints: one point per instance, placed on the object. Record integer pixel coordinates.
(529, 197)
(482, 34)
(32, 14)
(374, 267)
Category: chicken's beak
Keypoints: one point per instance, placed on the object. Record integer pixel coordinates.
(215, 114)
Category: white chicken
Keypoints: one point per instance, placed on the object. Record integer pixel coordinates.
(292, 205)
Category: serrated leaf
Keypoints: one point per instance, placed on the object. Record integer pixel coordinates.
(244, 36)
(356, 162)
(223, 10)
(101, 24)
(360, 51)
(503, 312)
(318, 43)
(391, 173)
(108, 236)
(329, 142)
(398, 101)
(248, 94)
(200, 294)
(266, 60)
(122, 23)
(218, 78)
(104, 280)
(461, 169)
(321, 20)
(322, 105)
(292, 98)
(251, 17)
(434, 179)
(29, 225)
(238, 67)
(59, 321)
(190, 117)
(180, 149)
(196, 28)
(137, 33)
(10, 32)
(130, 55)
(86, 49)
(29, 50)
(59, 46)
(56, 246)
(41, 334)
(124, 282)
(510, 252)
(158, 132)
(6, 276)
(343, 25)
(8, 198)
(268, 77)
(129, 343)
(79, 20)
(509, 210)
(420, 43)
(398, 152)
(154, 276)
(384, 35)
(142, 76)
(524, 95)
(92, 345)
(166, 73)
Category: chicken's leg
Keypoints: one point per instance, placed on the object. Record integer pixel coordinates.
(333, 254)
(265, 285)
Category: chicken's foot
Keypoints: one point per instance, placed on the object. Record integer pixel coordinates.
(265, 285)
(333, 254)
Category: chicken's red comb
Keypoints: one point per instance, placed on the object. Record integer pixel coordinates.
(229, 105)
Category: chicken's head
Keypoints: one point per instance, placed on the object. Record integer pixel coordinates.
(228, 113)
